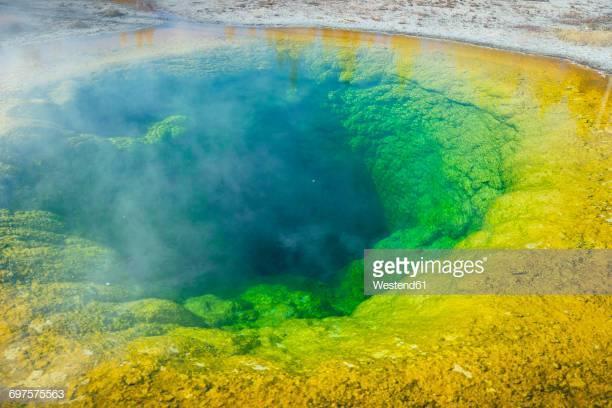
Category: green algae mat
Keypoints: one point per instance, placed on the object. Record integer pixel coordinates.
(183, 214)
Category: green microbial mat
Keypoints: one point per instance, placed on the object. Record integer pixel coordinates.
(238, 174)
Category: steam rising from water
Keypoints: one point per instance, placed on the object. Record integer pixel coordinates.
(200, 181)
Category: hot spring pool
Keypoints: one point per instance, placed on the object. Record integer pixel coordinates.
(211, 191)
(211, 172)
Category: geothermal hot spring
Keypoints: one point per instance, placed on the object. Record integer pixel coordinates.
(181, 205)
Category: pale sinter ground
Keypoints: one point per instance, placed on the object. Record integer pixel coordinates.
(578, 30)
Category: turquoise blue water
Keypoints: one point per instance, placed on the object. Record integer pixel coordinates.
(257, 182)
(212, 173)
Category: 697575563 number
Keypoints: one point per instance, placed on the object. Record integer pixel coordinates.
(32, 394)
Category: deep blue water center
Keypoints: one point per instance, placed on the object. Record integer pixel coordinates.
(261, 185)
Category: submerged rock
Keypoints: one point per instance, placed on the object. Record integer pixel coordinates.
(160, 311)
(349, 293)
(146, 316)
(212, 310)
(168, 129)
(35, 247)
(275, 303)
